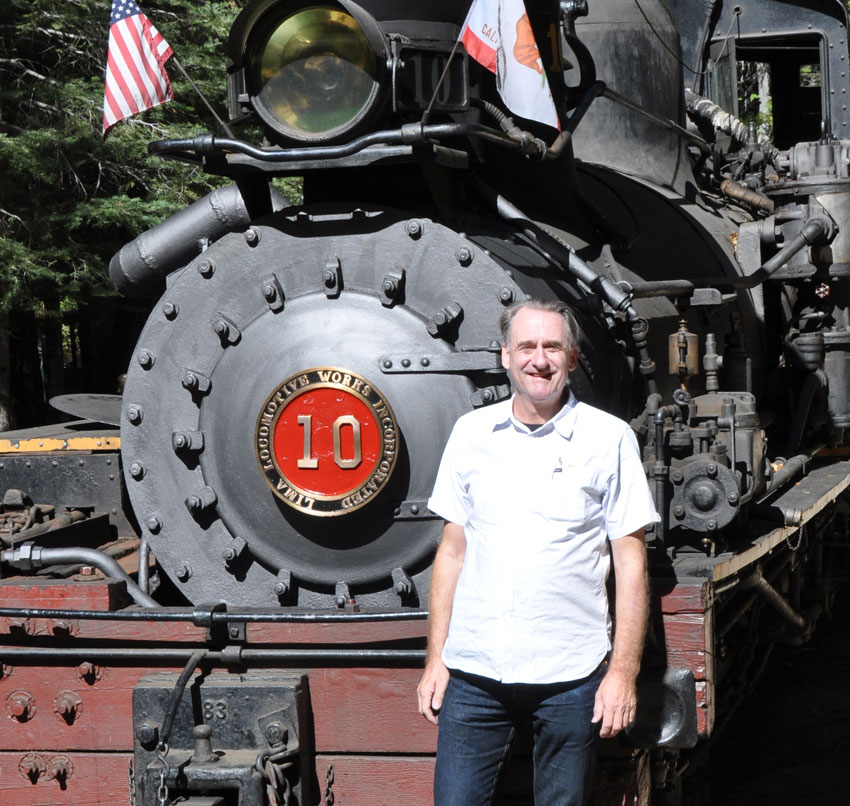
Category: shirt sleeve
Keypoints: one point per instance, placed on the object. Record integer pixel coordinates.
(628, 502)
(449, 499)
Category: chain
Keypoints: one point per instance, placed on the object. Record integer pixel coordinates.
(131, 783)
(162, 791)
(793, 546)
(273, 767)
(329, 782)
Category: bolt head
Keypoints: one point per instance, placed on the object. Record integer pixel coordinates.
(183, 571)
(280, 589)
(269, 292)
(206, 268)
(134, 414)
(329, 278)
(145, 359)
(170, 310)
(137, 470)
(146, 734)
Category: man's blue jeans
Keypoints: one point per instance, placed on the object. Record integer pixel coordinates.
(479, 719)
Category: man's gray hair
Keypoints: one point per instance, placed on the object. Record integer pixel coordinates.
(563, 310)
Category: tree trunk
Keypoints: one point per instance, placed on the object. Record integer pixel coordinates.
(6, 418)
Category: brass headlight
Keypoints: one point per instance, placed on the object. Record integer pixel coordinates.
(315, 73)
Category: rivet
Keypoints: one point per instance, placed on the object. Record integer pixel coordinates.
(426, 362)
(405, 362)
(387, 364)
(414, 509)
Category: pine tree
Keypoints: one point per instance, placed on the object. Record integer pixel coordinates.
(69, 199)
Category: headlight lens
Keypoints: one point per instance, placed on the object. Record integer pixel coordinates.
(316, 75)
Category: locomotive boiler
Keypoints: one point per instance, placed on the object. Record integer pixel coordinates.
(288, 400)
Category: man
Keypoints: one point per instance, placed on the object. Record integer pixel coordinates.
(538, 494)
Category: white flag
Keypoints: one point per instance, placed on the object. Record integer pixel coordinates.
(497, 34)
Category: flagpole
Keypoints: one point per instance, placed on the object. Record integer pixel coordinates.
(225, 128)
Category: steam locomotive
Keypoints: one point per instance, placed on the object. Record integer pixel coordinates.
(225, 602)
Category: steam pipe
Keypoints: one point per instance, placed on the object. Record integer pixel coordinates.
(139, 265)
(29, 557)
(793, 466)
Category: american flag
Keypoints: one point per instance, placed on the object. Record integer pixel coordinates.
(135, 65)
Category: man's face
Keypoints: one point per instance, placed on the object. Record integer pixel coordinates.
(539, 359)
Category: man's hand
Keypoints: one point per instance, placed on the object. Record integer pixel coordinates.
(432, 689)
(616, 701)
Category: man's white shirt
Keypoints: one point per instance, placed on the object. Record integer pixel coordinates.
(538, 509)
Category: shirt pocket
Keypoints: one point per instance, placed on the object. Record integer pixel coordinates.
(572, 494)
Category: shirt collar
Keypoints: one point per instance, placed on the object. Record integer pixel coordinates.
(563, 422)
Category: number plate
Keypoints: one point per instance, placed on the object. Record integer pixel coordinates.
(417, 78)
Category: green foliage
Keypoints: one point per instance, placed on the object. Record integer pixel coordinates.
(69, 199)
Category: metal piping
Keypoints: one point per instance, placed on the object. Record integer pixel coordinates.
(793, 466)
(775, 599)
(232, 656)
(139, 265)
(29, 556)
(221, 617)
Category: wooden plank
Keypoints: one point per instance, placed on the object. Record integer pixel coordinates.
(103, 719)
(369, 710)
(94, 779)
(63, 595)
(372, 780)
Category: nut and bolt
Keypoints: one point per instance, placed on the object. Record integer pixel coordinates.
(276, 733)
(20, 705)
(711, 470)
(137, 470)
(506, 295)
(170, 310)
(463, 255)
(732, 498)
(147, 735)
(329, 278)
(154, 524)
(146, 359)
(281, 589)
(134, 414)
(252, 236)
(183, 571)
(679, 511)
(206, 268)
(677, 476)
(414, 228)
(270, 292)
